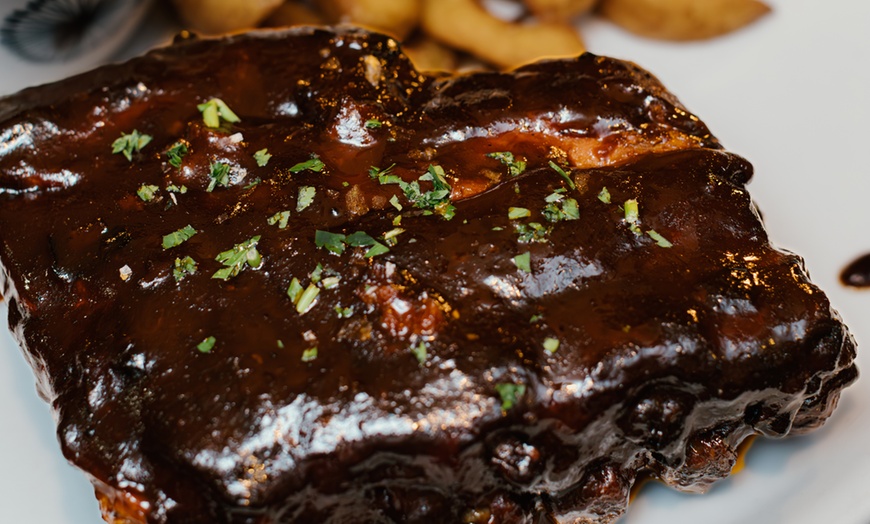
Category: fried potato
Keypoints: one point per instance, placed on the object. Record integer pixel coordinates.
(292, 13)
(428, 55)
(221, 16)
(465, 25)
(395, 17)
(682, 19)
(559, 10)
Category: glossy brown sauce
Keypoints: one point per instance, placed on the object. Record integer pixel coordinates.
(680, 352)
(857, 273)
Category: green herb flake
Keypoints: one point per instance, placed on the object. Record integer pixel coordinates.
(206, 345)
(563, 174)
(551, 345)
(419, 351)
(518, 212)
(535, 318)
(345, 312)
(373, 123)
(384, 176)
(604, 195)
(216, 110)
(524, 262)
(510, 394)
(438, 199)
(333, 242)
(178, 237)
(176, 153)
(183, 267)
(532, 232)
(561, 208)
(395, 201)
(147, 192)
(280, 343)
(281, 219)
(331, 282)
(632, 215)
(237, 258)
(172, 188)
(376, 249)
(312, 164)
(515, 167)
(130, 143)
(294, 290)
(305, 198)
(307, 299)
(660, 240)
(316, 274)
(262, 157)
(309, 355)
(219, 175)
(253, 183)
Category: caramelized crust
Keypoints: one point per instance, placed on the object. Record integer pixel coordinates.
(435, 393)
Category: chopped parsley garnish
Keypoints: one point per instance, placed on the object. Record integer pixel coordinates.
(660, 240)
(305, 301)
(344, 312)
(281, 218)
(532, 232)
(309, 354)
(236, 258)
(419, 351)
(510, 394)
(336, 242)
(384, 176)
(172, 188)
(333, 242)
(395, 201)
(183, 267)
(535, 318)
(216, 110)
(331, 282)
(518, 212)
(312, 164)
(373, 123)
(176, 153)
(253, 183)
(524, 262)
(316, 274)
(178, 237)
(129, 143)
(438, 199)
(294, 290)
(262, 157)
(563, 174)
(219, 173)
(363, 239)
(604, 195)
(305, 198)
(280, 344)
(147, 192)
(390, 236)
(551, 345)
(569, 209)
(632, 215)
(206, 345)
(515, 167)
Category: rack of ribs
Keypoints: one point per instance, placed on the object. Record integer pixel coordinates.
(283, 277)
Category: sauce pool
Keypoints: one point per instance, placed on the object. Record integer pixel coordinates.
(857, 273)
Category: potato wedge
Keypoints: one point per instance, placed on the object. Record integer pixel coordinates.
(682, 19)
(465, 25)
(428, 55)
(559, 10)
(221, 16)
(293, 13)
(394, 17)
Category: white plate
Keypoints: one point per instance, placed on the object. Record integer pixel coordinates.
(790, 94)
